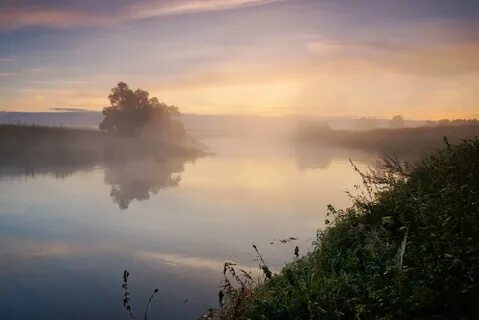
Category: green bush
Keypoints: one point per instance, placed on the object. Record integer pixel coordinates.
(408, 248)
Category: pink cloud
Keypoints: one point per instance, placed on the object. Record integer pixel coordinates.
(162, 8)
(18, 18)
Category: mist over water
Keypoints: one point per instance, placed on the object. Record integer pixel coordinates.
(170, 146)
(67, 237)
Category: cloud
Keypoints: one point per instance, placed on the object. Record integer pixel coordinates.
(163, 8)
(71, 109)
(389, 77)
(7, 59)
(28, 98)
(418, 59)
(323, 47)
(340, 78)
(8, 74)
(52, 17)
(18, 18)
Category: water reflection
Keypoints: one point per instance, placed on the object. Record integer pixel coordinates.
(137, 180)
(132, 179)
(311, 157)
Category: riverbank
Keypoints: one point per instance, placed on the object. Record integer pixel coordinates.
(410, 143)
(406, 249)
(38, 145)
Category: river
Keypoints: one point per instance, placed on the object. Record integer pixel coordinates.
(67, 235)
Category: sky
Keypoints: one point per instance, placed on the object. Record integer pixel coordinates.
(375, 58)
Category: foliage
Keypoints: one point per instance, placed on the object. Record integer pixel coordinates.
(238, 289)
(130, 112)
(397, 122)
(406, 249)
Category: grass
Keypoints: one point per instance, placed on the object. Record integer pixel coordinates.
(406, 249)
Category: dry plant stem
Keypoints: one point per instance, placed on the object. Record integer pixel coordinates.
(149, 303)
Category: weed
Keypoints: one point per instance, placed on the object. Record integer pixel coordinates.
(127, 299)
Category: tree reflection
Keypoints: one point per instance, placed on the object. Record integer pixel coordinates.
(130, 179)
(320, 157)
(138, 180)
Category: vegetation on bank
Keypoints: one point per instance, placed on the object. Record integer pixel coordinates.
(411, 143)
(408, 248)
(37, 146)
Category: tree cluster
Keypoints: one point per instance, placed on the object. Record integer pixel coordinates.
(134, 112)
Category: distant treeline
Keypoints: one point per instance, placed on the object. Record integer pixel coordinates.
(397, 122)
(401, 141)
(454, 123)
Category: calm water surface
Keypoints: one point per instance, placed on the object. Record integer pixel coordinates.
(67, 235)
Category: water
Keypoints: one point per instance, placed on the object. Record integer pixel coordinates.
(66, 235)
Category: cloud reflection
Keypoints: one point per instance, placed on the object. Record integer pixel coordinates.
(190, 262)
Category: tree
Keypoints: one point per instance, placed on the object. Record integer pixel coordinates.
(444, 123)
(430, 123)
(366, 123)
(132, 112)
(396, 122)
